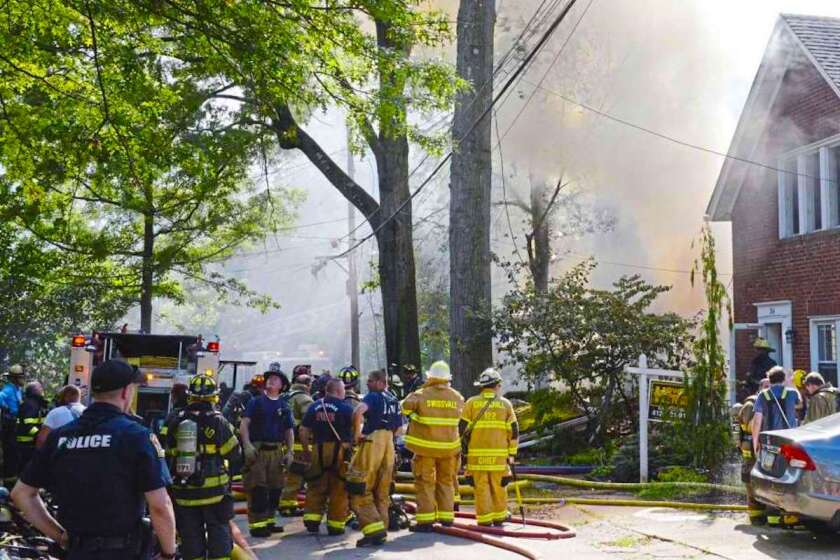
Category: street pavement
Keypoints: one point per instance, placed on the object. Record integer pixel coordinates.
(615, 532)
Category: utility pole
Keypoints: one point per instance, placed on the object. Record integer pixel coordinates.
(352, 273)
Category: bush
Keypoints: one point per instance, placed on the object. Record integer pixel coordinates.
(680, 474)
(663, 452)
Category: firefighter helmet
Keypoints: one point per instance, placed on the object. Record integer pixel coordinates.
(202, 387)
(349, 376)
(439, 370)
(275, 367)
(489, 378)
(302, 369)
(280, 375)
(258, 381)
(16, 371)
(762, 344)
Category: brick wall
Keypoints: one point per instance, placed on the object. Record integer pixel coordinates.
(803, 269)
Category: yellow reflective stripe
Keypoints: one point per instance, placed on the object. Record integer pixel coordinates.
(228, 446)
(199, 502)
(212, 482)
(297, 447)
(171, 452)
(220, 558)
(486, 452)
(371, 528)
(500, 515)
(487, 467)
(312, 517)
(33, 420)
(432, 421)
(25, 439)
(420, 442)
(446, 516)
(164, 430)
(486, 518)
(261, 524)
(513, 449)
(756, 513)
(425, 517)
(490, 424)
(336, 524)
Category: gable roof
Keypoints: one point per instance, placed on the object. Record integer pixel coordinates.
(814, 39)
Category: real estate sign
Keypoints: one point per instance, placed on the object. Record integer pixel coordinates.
(667, 400)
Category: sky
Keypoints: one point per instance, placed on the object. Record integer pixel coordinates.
(682, 68)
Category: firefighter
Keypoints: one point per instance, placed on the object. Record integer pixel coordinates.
(374, 457)
(761, 364)
(822, 397)
(350, 376)
(327, 424)
(491, 435)
(199, 444)
(411, 379)
(10, 398)
(31, 415)
(433, 413)
(755, 509)
(266, 426)
(299, 400)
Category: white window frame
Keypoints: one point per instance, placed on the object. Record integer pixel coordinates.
(794, 168)
(813, 323)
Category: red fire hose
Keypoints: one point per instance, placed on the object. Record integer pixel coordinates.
(478, 537)
(499, 532)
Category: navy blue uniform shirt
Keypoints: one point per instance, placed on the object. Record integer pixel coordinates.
(383, 412)
(322, 412)
(98, 467)
(270, 418)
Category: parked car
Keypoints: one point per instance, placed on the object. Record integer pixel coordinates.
(798, 471)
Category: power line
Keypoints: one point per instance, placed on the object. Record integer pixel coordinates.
(668, 138)
(546, 36)
(641, 266)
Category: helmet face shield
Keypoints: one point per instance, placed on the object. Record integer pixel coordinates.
(203, 387)
(349, 376)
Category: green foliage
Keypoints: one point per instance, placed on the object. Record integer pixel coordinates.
(680, 474)
(663, 451)
(47, 296)
(705, 430)
(582, 338)
(112, 150)
(674, 474)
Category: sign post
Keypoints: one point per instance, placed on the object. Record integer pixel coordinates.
(645, 375)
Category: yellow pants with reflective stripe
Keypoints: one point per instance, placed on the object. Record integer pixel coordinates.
(327, 491)
(490, 497)
(375, 458)
(294, 483)
(435, 479)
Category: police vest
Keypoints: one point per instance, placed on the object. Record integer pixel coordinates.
(433, 413)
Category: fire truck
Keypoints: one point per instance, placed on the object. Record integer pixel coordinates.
(164, 361)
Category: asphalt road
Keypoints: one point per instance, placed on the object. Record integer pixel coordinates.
(627, 533)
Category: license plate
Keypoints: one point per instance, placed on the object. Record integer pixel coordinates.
(768, 458)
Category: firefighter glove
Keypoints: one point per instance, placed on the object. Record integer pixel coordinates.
(250, 452)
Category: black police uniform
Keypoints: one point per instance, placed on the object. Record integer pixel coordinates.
(203, 503)
(98, 468)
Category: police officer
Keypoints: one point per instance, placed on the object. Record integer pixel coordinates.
(32, 412)
(433, 413)
(327, 423)
(266, 426)
(201, 488)
(350, 376)
(299, 402)
(489, 426)
(375, 457)
(99, 469)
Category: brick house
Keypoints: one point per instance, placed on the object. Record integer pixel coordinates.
(785, 214)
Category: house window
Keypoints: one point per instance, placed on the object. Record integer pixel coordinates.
(824, 337)
(809, 190)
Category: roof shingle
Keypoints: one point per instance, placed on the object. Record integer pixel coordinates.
(821, 37)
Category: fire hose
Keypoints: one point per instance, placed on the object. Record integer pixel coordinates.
(484, 539)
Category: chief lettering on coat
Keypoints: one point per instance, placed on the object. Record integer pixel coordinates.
(85, 442)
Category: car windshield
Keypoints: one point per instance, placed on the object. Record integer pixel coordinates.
(827, 423)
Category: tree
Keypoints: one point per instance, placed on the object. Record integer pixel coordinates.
(471, 338)
(581, 339)
(705, 429)
(48, 295)
(280, 61)
(111, 151)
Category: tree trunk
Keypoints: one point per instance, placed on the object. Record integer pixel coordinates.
(147, 278)
(470, 336)
(396, 257)
(539, 246)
